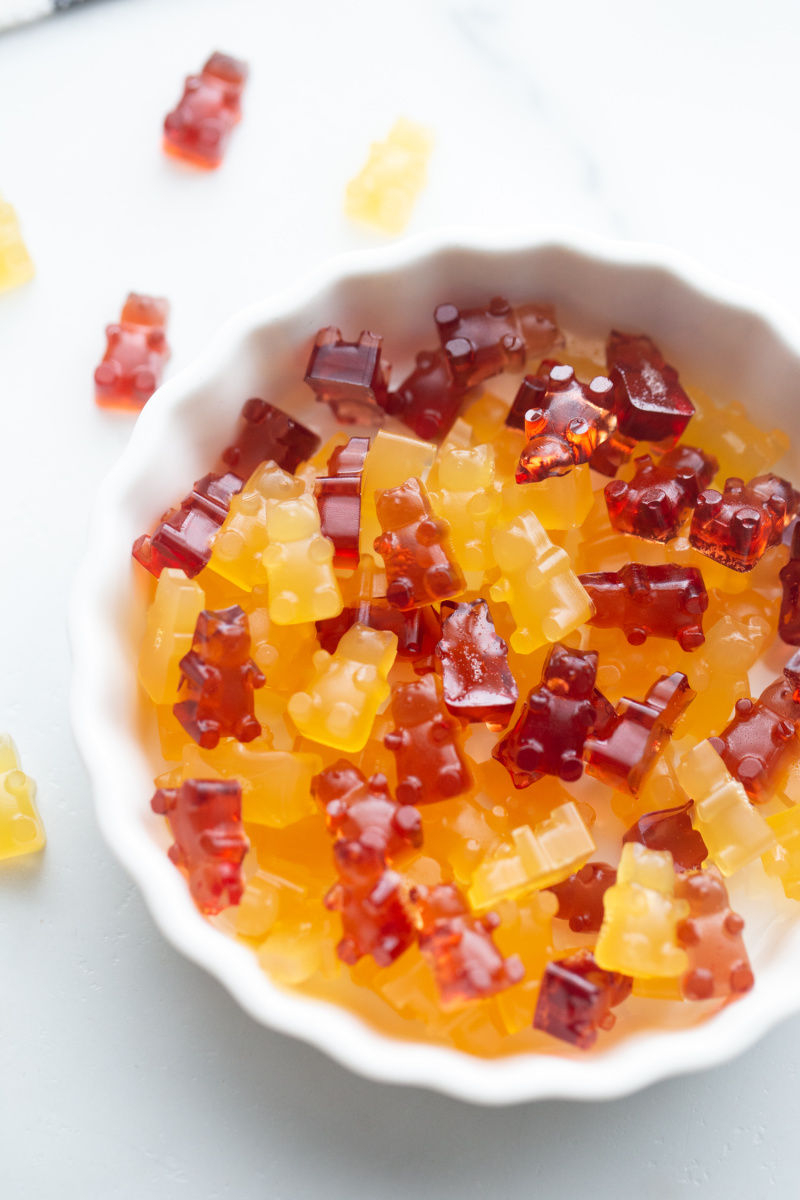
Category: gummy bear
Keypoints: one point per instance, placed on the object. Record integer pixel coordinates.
(426, 742)
(341, 703)
(205, 817)
(550, 731)
(480, 343)
(370, 899)
(467, 500)
(349, 376)
(384, 191)
(537, 582)
(671, 829)
(660, 601)
(218, 678)
(283, 652)
(529, 394)
(237, 548)
(171, 621)
(459, 947)
(565, 421)
(184, 536)
(338, 497)
(476, 680)
(268, 434)
(21, 828)
(727, 432)
(641, 916)
(429, 400)
(363, 810)
(756, 745)
(135, 354)
(770, 487)
(391, 460)
(650, 404)
(736, 526)
(580, 896)
(655, 503)
(782, 861)
(416, 548)
(711, 935)
(789, 619)
(199, 128)
(576, 997)
(299, 564)
(622, 755)
(15, 263)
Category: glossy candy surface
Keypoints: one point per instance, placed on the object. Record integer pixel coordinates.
(480, 343)
(338, 496)
(427, 744)
(580, 896)
(383, 193)
(171, 621)
(298, 562)
(218, 678)
(650, 403)
(789, 620)
(641, 915)
(136, 352)
(370, 899)
(650, 601)
(265, 433)
(21, 828)
(735, 526)
(756, 745)
(199, 128)
(467, 499)
(416, 548)
(15, 263)
(363, 810)
(429, 399)
(476, 680)
(565, 421)
(349, 376)
(671, 829)
(184, 536)
(711, 935)
(655, 503)
(240, 542)
(205, 818)
(576, 998)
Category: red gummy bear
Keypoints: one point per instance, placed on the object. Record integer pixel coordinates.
(481, 342)
(199, 128)
(459, 948)
(430, 764)
(338, 496)
(651, 405)
(736, 526)
(550, 732)
(791, 674)
(576, 998)
(613, 453)
(370, 900)
(660, 601)
(218, 678)
(362, 810)
(756, 744)
(135, 355)
(477, 682)
(183, 537)
(580, 897)
(671, 829)
(769, 486)
(416, 548)
(266, 433)
(515, 417)
(712, 937)
(205, 816)
(429, 400)
(625, 751)
(349, 376)
(660, 496)
(789, 619)
(564, 422)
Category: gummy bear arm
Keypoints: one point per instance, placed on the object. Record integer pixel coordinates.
(320, 550)
(385, 544)
(255, 674)
(441, 729)
(432, 531)
(396, 739)
(334, 898)
(198, 671)
(273, 555)
(164, 801)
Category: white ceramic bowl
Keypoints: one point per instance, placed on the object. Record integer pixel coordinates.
(718, 336)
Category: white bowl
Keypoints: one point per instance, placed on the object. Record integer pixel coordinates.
(718, 336)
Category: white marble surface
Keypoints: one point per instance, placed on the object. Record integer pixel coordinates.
(124, 1071)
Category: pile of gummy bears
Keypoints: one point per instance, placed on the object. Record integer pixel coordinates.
(459, 735)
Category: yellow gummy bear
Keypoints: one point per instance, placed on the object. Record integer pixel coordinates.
(276, 784)
(391, 459)
(21, 829)
(545, 855)
(468, 501)
(486, 417)
(237, 548)
(171, 619)
(298, 561)
(350, 686)
(383, 193)
(733, 831)
(282, 652)
(783, 860)
(740, 447)
(15, 263)
(641, 915)
(537, 582)
(682, 553)
(718, 672)
(562, 501)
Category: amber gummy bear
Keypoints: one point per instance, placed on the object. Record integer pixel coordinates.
(756, 745)
(363, 810)
(184, 537)
(477, 682)
(349, 376)
(218, 678)
(671, 829)
(369, 897)
(654, 504)
(416, 548)
(429, 399)
(650, 601)
(650, 404)
(565, 421)
(580, 896)
(481, 342)
(576, 998)
(735, 526)
(426, 742)
(199, 128)
(712, 937)
(205, 816)
(267, 434)
(135, 354)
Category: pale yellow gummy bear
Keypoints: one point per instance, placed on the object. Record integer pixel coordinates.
(21, 829)
(392, 458)
(298, 561)
(15, 263)
(276, 784)
(741, 448)
(341, 703)
(237, 548)
(638, 935)
(544, 594)
(468, 501)
(384, 191)
(560, 502)
(783, 860)
(171, 619)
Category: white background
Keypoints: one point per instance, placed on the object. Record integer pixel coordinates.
(125, 1071)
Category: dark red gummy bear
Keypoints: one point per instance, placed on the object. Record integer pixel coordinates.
(756, 745)
(650, 404)
(205, 816)
(338, 496)
(515, 417)
(613, 453)
(550, 731)
(789, 619)
(661, 495)
(736, 526)
(183, 537)
(429, 400)
(363, 810)
(576, 998)
(414, 547)
(370, 900)
(135, 354)
(775, 486)
(712, 937)
(218, 678)
(565, 421)
(580, 897)
(459, 948)
(671, 829)
(199, 128)
(477, 682)
(481, 342)
(628, 747)
(663, 601)
(349, 376)
(430, 765)
(266, 433)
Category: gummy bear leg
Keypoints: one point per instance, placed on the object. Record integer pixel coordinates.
(144, 383)
(348, 951)
(698, 984)
(691, 638)
(247, 729)
(409, 790)
(209, 734)
(570, 768)
(452, 782)
(442, 583)
(400, 594)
